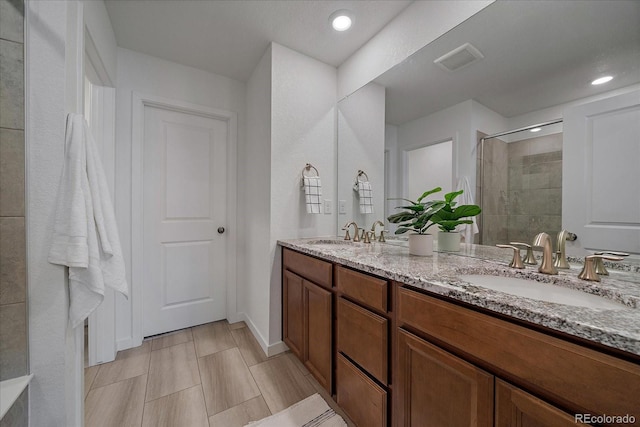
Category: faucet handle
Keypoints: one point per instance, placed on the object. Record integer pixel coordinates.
(516, 262)
(530, 258)
(366, 236)
(347, 236)
(589, 272)
(381, 238)
(600, 268)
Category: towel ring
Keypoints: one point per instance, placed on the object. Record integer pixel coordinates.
(307, 168)
(360, 173)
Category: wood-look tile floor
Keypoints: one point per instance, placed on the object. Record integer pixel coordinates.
(212, 375)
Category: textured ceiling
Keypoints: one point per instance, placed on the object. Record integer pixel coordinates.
(229, 37)
(537, 54)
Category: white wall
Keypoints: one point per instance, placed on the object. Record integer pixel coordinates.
(460, 123)
(362, 139)
(152, 76)
(427, 168)
(416, 26)
(98, 25)
(452, 123)
(254, 205)
(53, 59)
(303, 129)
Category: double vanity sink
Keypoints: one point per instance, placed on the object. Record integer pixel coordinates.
(460, 339)
(606, 312)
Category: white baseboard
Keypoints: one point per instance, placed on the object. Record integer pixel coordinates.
(269, 350)
(124, 344)
(277, 348)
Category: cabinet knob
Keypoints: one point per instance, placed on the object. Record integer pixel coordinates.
(220, 230)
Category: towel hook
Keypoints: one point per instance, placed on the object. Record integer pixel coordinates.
(307, 168)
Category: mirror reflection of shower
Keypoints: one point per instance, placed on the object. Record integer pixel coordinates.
(519, 183)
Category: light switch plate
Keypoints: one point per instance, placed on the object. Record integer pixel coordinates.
(327, 206)
(342, 207)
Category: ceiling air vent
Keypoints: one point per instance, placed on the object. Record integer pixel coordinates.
(458, 58)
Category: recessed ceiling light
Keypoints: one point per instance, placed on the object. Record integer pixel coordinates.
(535, 130)
(341, 20)
(602, 80)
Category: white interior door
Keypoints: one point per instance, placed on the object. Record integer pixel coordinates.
(600, 186)
(184, 196)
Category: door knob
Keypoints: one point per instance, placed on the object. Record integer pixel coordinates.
(220, 230)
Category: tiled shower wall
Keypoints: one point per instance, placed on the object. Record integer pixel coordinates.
(13, 289)
(492, 192)
(522, 189)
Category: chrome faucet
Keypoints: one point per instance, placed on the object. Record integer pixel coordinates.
(543, 240)
(561, 256)
(373, 230)
(356, 237)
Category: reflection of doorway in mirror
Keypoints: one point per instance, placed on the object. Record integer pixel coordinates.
(428, 167)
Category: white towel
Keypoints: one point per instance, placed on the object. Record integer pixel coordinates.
(85, 234)
(312, 194)
(365, 195)
(466, 198)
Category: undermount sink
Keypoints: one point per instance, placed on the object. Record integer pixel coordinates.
(542, 291)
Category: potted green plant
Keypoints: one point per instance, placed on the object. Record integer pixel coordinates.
(417, 217)
(449, 217)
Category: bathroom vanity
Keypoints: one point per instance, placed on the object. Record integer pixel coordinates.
(406, 341)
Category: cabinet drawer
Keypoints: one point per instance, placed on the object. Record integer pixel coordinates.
(573, 376)
(363, 400)
(363, 336)
(368, 290)
(318, 271)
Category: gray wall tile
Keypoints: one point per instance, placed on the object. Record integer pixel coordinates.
(11, 85)
(12, 261)
(13, 341)
(11, 172)
(12, 20)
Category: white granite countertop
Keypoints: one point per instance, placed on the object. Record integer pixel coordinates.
(441, 273)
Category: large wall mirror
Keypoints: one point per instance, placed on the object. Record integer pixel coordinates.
(513, 65)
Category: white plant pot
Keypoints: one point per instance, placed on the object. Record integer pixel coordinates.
(449, 241)
(421, 244)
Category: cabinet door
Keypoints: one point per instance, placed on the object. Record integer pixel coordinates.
(318, 330)
(437, 389)
(516, 408)
(293, 306)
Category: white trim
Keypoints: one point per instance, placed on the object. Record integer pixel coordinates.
(102, 332)
(269, 350)
(139, 102)
(74, 94)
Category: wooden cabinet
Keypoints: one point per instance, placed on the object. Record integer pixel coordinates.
(402, 357)
(292, 313)
(362, 336)
(317, 333)
(363, 288)
(362, 345)
(438, 389)
(561, 374)
(517, 408)
(361, 398)
(307, 325)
